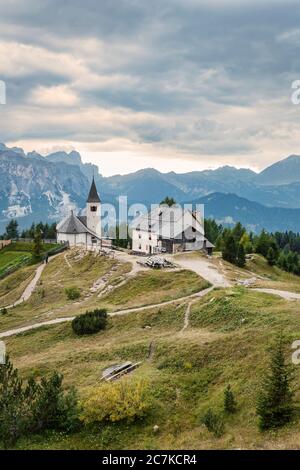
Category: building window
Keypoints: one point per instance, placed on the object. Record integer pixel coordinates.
(140, 236)
(140, 246)
(93, 208)
(150, 238)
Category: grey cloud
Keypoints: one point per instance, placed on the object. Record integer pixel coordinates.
(209, 74)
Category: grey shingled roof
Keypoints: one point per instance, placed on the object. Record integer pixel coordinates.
(72, 225)
(82, 219)
(93, 194)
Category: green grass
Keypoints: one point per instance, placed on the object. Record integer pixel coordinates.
(227, 342)
(153, 287)
(187, 373)
(28, 247)
(19, 253)
(10, 259)
(13, 285)
(49, 300)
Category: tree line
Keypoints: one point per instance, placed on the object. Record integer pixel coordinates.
(280, 248)
(46, 231)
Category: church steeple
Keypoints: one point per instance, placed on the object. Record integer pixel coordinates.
(93, 210)
(93, 194)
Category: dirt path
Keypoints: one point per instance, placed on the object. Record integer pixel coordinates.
(118, 312)
(204, 268)
(281, 293)
(32, 284)
(23, 329)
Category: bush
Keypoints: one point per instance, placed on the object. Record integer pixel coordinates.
(3, 311)
(72, 293)
(90, 322)
(34, 407)
(214, 423)
(119, 401)
(52, 409)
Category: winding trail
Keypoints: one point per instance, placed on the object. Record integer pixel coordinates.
(201, 266)
(30, 288)
(32, 284)
(23, 329)
(287, 295)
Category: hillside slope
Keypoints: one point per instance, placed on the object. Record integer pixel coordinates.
(225, 341)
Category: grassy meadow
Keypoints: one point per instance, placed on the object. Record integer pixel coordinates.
(226, 342)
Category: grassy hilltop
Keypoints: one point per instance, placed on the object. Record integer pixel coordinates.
(226, 342)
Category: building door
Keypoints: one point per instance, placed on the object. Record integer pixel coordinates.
(150, 249)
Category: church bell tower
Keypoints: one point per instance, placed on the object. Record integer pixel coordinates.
(93, 210)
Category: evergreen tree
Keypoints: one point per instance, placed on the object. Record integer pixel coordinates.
(263, 242)
(271, 256)
(169, 201)
(275, 400)
(13, 404)
(12, 230)
(241, 257)
(37, 245)
(238, 231)
(229, 400)
(229, 252)
(212, 230)
(34, 406)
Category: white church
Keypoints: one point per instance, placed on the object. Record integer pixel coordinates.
(162, 230)
(84, 231)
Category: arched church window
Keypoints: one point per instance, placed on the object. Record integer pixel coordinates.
(93, 208)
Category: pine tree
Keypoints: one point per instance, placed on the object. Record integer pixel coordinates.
(13, 404)
(241, 257)
(37, 245)
(169, 201)
(229, 400)
(229, 251)
(271, 256)
(275, 400)
(12, 230)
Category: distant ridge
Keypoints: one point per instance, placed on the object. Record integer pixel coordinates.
(33, 188)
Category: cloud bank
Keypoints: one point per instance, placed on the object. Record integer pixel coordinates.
(178, 84)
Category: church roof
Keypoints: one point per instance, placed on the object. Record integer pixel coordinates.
(83, 219)
(72, 224)
(93, 194)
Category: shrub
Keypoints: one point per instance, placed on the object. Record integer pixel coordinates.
(214, 423)
(119, 401)
(3, 311)
(229, 400)
(72, 293)
(90, 322)
(34, 406)
(53, 409)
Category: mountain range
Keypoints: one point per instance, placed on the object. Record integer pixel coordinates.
(35, 187)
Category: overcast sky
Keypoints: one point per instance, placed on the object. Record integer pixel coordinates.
(172, 84)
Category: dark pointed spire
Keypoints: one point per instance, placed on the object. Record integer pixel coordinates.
(93, 194)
